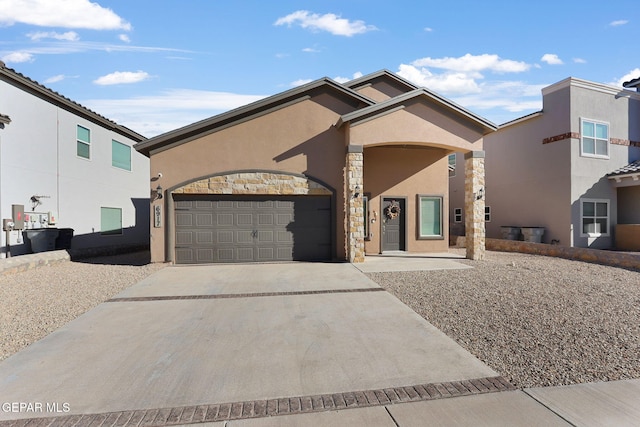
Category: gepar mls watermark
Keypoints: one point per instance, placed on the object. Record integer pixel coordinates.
(35, 407)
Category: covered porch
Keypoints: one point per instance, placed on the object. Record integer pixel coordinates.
(396, 176)
(626, 182)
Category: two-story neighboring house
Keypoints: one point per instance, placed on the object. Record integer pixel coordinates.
(565, 168)
(70, 168)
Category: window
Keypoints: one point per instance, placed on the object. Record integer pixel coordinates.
(120, 155)
(452, 165)
(595, 217)
(595, 139)
(487, 214)
(430, 217)
(457, 215)
(83, 142)
(110, 221)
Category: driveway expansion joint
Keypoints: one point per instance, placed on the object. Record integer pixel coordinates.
(243, 295)
(274, 407)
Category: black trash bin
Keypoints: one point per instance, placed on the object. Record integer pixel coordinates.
(64, 238)
(42, 239)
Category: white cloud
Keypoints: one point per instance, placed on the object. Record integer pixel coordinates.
(310, 50)
(631, 75)
(356, 75)
(55, 79)
(469, 63)
(64, 14)
(579, 61)
(122, 77)
(448, 82)
(328, 22)
(428, 29)
(18, 57)
(300, 82)
(551, 59)
(68, 36)
(618, 22)
(169, 110)
(125, 38)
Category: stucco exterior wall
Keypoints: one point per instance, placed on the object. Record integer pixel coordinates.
(629, 205)
(410, 171)
(296, 139)
(417, 124)
(527, 182)
(380, 90)
(588, 174)
(38, 157)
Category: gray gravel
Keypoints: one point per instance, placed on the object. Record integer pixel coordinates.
(538, 321)
(36, 302)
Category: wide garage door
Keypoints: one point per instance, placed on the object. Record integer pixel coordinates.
(252, 228)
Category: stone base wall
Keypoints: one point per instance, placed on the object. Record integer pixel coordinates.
(255, 183)
(355, 207)
(597, 256)
(474, 204)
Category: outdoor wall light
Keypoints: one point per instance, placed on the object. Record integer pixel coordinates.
(480, 194)
(356, 191)
(158, 192)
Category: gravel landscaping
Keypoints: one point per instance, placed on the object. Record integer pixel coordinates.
(538, 321)
(36, 302)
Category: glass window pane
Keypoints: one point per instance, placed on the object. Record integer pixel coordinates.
(601, 209)
(588, 129)
(84, 134)
(120, 155)
(588, 209)
(111, 220)
(430, 213)
(601, 148)
(588, 145)
(601, 225)
(602, 131)
(83, 150)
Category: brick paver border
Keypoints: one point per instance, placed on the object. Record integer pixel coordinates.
(246, 295)
(273, 407)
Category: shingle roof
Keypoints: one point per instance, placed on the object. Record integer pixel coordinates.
(25, 83)
(631, 168)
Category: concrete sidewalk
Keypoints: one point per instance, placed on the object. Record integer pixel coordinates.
(276, 344)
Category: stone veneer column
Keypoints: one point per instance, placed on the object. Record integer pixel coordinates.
(353, 204)
(474, 205)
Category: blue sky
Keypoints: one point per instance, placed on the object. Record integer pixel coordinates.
(154, 66)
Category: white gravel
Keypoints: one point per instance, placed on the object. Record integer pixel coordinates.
(36, 302)
(538, 321)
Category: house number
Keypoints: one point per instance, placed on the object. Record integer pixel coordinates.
(157, 216)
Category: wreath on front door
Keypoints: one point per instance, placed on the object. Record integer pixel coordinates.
(393, 210)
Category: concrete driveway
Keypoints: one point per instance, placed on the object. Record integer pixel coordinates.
(222, 334)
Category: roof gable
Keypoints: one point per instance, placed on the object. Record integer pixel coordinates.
(249, 111)
(422, 95)
(31, 86)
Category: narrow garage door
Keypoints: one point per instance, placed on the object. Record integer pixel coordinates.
(252, 228)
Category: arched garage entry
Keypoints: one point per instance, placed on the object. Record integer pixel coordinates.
(255, 216)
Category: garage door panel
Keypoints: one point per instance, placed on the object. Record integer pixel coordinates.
(247, 228)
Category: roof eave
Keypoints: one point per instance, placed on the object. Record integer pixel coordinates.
(69, 105)
(191, 131)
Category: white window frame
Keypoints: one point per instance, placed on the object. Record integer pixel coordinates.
(452, 170)
(457, 215)
(487, 214)
(595, 216)
(422, 236)
(608, 141)
(87, 143)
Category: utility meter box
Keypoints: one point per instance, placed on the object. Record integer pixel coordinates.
(17, 214)
(7, 224)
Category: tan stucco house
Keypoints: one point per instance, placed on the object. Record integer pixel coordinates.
(324, 171)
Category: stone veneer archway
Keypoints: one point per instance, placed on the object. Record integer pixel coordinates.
(255, 182)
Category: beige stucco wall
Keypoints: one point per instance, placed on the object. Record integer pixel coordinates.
(410, 171)
(380, 90)
(417, 124)
(298, 139)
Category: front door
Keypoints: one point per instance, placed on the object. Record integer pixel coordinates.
(393, 224)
